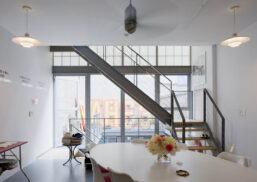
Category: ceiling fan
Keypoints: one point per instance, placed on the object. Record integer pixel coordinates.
(142, 22)
(130, 18)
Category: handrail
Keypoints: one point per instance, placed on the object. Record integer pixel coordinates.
(220, 114)
(144, 68)
(148, 63)
(78, 130)
(173, 96)
(110, 118)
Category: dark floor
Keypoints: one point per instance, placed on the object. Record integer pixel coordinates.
(52, 170)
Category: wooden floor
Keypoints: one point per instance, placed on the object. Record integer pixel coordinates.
(52, 170)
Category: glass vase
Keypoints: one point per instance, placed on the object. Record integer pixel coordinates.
(163, 158)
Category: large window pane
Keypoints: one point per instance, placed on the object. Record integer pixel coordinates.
(105, 108)
(69, 103)
(179, 85)
(139, 123)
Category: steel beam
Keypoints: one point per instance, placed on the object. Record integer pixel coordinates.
(123, 83)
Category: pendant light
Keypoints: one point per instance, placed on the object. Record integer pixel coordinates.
(26, 40)
(235, 40)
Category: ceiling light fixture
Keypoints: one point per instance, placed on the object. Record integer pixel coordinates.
(235, 40)
(26, 40)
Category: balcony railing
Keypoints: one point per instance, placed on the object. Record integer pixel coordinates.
(109, 130)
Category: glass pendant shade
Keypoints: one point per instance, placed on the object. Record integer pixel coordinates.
(235, 41)
(26, 41)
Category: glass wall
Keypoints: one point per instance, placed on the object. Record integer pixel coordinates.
(69, 103)
(105, 97)
(138, 121)
(105, 108)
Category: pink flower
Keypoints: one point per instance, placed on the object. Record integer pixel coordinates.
(169, 147)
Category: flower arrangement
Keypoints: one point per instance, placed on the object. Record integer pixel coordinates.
(162, 146)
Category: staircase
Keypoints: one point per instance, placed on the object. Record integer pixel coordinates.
(196, 134)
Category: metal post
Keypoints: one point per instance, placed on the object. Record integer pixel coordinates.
(70, 127)
(172, 106)
(122, 115)
(157, 99)
(136, 70)
(54, 112)
(183, 131)
(20, 164)
(204, 105)
(223, 134)
(138, 125)
(122, 55)
(87, 108)
(190, 97)
(104, 130)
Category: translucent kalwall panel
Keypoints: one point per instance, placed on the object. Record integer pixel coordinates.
(167, 56)
(152, 51)
(82, 62)
(169, 60)
(57, 61)
(173, 55)
(161, 60)
(178, 50)
(74, 61)
(178, 60)
(66, 61)
(161, 51)
(66, 54)
(170, 50)
(186, 50)
(57, 53)
(117, 60)
(109, 60)
(186, 60)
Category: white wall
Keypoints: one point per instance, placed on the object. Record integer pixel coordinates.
(209, 82)
(16, 100)
(236, 91)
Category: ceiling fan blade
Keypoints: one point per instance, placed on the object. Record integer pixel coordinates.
(151, 32)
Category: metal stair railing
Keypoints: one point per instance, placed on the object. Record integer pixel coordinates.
(87, 132)
(144, 70)
(169, 88)
(205, 95)
(153, 68)
(140, 59)
(122, 82)
(174, 98)
(139, 67)
(99, 124)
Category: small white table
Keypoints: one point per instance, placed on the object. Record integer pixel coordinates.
(135, 160)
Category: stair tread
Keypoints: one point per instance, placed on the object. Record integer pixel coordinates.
(195, 138)
(202, 148)
(194, 129)
(189, 120)
(189, 123)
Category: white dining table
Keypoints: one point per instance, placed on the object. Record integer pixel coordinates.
(135, 160)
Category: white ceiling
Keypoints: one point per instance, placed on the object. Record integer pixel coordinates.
(97, 22)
